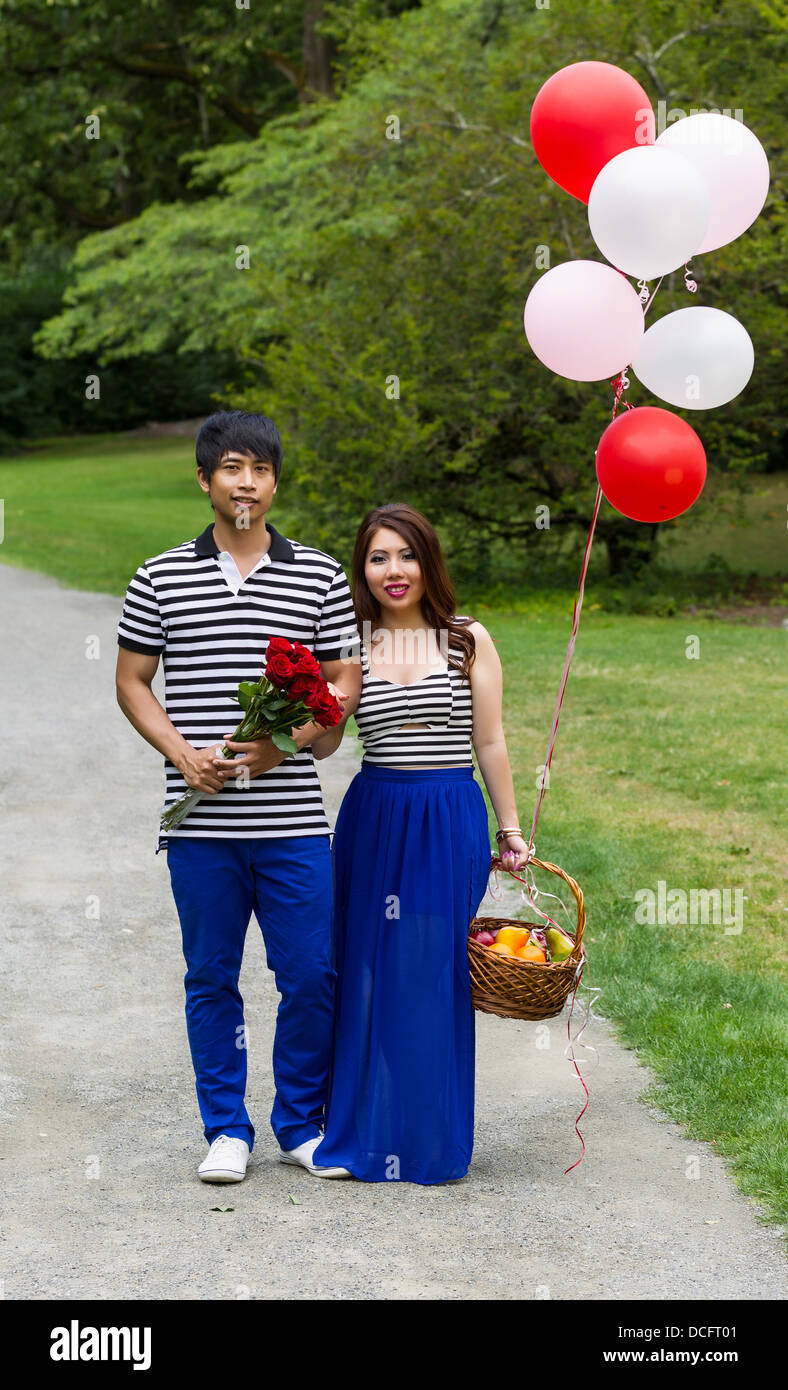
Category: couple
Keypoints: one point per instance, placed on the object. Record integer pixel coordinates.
(373, 1054)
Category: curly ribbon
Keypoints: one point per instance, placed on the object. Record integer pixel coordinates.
(643, 290)
(688, 280)
(533, 891)
(588, 1047)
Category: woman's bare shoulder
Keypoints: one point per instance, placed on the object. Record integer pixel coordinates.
(473, 625)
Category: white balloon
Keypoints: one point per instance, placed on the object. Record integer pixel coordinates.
(648, 210)
(583, 320)
(734, 165)
(696, 358)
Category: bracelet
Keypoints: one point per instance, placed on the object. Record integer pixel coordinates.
(513, 830)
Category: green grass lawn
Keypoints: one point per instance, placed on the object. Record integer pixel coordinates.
(673, 769)
(665, 768)
(89, 510)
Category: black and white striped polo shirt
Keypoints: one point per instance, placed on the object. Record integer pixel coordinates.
(180, 604)
(442, 700)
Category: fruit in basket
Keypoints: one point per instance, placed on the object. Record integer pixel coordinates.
(560, 943)
(501, 949)
(484, 938)
(532, 951)
(512, 936)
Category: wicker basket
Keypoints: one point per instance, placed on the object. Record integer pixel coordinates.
(515, 988)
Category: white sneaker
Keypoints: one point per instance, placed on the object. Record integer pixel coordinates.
(226, 1160)
(302, 1157)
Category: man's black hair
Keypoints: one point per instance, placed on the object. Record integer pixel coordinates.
(241, 431)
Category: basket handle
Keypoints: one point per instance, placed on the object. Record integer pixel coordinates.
(497, 863)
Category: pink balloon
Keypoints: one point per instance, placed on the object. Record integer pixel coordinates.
(583, 320)
(733, 164)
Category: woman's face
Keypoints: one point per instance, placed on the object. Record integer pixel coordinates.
(392, 571)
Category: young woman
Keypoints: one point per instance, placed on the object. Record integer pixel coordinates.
(411, 862)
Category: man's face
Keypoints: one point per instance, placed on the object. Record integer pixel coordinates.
(241, 489)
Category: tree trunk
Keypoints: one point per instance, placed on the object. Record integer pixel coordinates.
(318, 55)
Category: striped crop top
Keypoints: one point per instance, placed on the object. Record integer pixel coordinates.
(441, 700)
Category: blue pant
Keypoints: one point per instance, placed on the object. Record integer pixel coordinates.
(286, 882)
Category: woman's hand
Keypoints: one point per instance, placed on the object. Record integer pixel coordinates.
(340, 696)
(513, 852)
(328, 740)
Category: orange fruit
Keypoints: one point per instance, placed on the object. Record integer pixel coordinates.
(501, 949)
(531, 952)
(513, 936)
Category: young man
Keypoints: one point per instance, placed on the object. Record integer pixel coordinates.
(210, 607)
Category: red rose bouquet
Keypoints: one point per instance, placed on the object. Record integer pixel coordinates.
(290, 693)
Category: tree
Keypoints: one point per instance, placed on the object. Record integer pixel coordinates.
(157, 80)
(393, 237)
(103, 104)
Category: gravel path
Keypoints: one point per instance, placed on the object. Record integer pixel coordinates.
(102, 1135)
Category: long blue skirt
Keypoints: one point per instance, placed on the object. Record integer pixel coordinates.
(411, 863)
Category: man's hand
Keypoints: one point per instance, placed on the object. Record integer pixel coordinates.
(258, 756)
(207, 771)
(196, 766)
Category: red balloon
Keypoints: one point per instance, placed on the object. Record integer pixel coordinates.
(650, 464)
(582, 117)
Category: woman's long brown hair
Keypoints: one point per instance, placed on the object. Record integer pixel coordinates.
(439, 600)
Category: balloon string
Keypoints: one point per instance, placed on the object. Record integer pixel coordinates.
(688, 280)
(651, 301)
(578, 604)
(620, 384)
